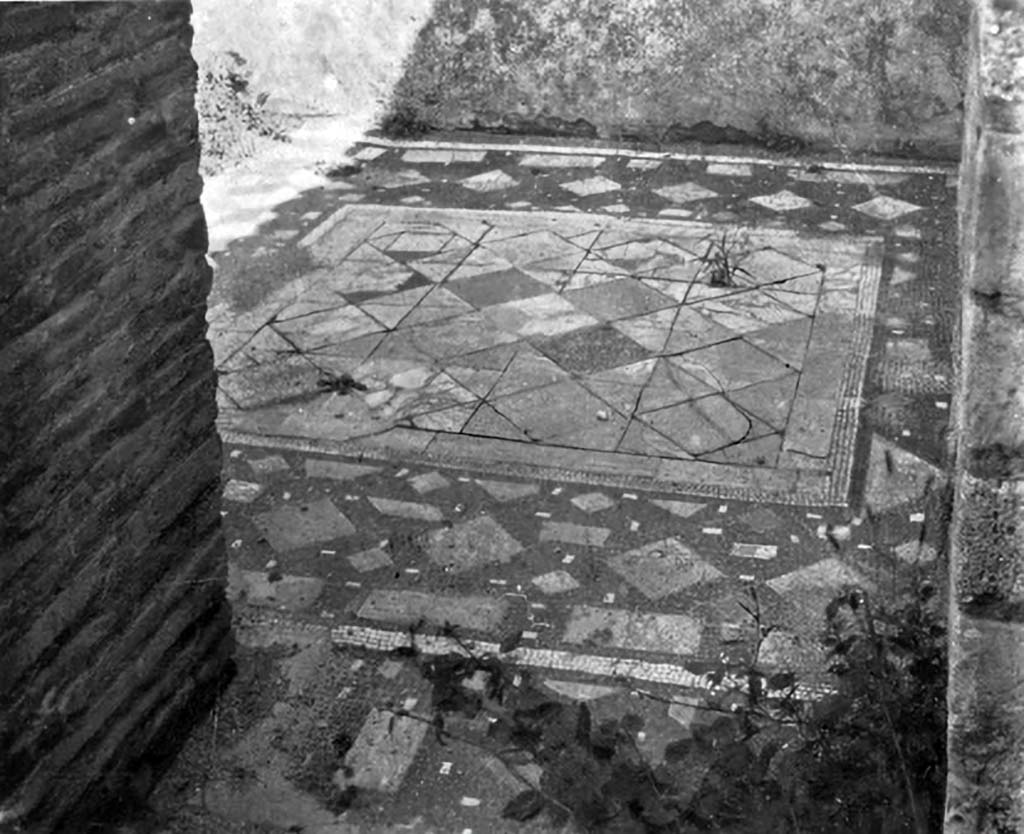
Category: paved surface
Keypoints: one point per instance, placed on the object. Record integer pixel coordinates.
(515, 391)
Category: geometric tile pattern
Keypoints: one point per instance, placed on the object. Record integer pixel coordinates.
(618, 336)
(663, 568)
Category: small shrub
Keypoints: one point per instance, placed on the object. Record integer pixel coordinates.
(231, 116)
(870, 757)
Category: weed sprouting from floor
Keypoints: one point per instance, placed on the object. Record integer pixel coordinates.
(722, 257)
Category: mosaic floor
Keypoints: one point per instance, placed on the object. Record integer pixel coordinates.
(723, 357)
(517, 391)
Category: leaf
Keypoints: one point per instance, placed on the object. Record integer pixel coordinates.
(511, 642)
(524, 806)
(781, 680)
(583, 726)
(439, 728)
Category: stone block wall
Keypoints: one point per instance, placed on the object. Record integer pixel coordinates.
(985, 787)
(850, 75)
(113, 623)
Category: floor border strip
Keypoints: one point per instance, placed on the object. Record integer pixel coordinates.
(570, 150)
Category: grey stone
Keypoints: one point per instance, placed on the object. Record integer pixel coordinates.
(471, 544)
(407, 608)
(291, 526)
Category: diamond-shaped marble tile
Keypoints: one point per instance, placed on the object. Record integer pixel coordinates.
(509, 490)
(747, 311)
(451, 419)
(827, 577)
(686, 192)
(555, 582)
(391, 309)
(428, 481)
(729, 169)
(540, 249)
(769, 265)
(353, 277)
(496, 180)
(832, 226)
(663, 568)
(682, 509)
(618, 299)
(644, 164)
(895, 476)
(593, 349)
(369, 153)
(386, 178)
(291, 526)
(884, 207)
(591, 185)
(554, 160)
(760, 520)
(541, 315)
(321, 329)
(770, 401)
(406, 509)
(643, 440)
(731, 365)
(550, 412)
(786, 342)
(442, 157)
(368, 560)
(579, 534)
(784, 200)
(670, 383)
(676, 634)
(244, 492)
(651, 330)
(593, 502)
(486, 422)
(496, 287)
(440, 304)
(471, 544)
(703, 425)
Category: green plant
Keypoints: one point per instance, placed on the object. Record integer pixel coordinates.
(721, 259)
(868, 757)
(231, 115)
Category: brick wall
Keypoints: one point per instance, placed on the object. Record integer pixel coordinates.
(113, 623)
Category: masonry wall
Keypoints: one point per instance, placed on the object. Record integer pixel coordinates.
(985, 789)
(854, 75)
(113, 624)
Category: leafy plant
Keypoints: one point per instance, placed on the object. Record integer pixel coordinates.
(721, 259)
(231, 115)
(869, 757)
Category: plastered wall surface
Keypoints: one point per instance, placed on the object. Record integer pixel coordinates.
(858, 75)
